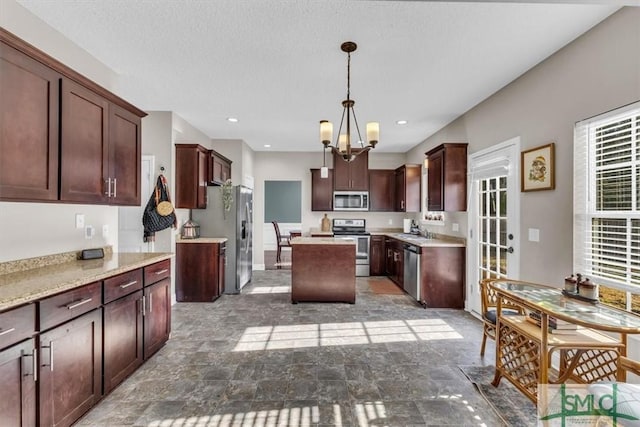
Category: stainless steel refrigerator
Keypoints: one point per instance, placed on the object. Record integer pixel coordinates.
(236, 225)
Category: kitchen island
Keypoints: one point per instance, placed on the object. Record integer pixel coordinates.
(323, 270)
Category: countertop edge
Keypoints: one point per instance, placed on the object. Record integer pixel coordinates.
(29, 296)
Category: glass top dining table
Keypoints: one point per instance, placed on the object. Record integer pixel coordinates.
(558, 304)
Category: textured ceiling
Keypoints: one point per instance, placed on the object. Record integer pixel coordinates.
(276, 65)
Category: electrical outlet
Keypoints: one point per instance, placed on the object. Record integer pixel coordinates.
(79, 221)
(105, 230)
(534, 235)
(390, 221)
(455, 227)
(89, 232)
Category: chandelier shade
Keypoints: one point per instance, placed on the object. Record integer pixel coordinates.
(344, 143)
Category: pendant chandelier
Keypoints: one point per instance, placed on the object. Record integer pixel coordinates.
(343, 143)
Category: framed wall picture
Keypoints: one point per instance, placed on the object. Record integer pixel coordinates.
(537, 168)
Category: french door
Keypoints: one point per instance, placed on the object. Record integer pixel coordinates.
(493, 217)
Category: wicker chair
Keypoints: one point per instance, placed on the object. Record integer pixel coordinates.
(282, 241)
(489, 314)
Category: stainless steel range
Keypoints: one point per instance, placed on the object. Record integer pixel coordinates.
(355, 229)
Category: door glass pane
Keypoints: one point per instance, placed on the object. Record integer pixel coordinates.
(503, 232)
(492, 228)
(492, 203)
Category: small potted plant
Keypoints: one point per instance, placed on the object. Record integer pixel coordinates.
(227, 196)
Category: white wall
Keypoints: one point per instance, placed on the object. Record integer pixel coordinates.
(36, 229)
(596, 73)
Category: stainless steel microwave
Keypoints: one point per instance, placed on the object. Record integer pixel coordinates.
(350, 200)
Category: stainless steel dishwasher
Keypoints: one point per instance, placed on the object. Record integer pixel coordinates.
(412, 271)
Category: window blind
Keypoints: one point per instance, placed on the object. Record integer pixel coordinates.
(606, 198)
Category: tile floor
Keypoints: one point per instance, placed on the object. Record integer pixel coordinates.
(257, 360)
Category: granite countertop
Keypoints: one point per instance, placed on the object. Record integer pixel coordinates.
(25, 286)
(423, 242)
(321, 241)
(203, 240)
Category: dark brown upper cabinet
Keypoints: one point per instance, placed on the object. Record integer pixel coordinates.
(352, 175)
(64, 138)
(381, 190)
(407, 188)
(219, 168)
(100, 149)
(192, 175)
(84, 148)
(321, 191)
(447, 178)
(28, 127)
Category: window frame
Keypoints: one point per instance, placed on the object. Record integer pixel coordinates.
(586, 210)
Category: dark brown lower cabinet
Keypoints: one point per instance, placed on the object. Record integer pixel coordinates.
(395, 261)
(157, 316)
(377, 260)
(122, 339)
(199, 271)
(70, 380)
(18, 385)
(442, 279)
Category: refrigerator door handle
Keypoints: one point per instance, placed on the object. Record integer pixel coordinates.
(244, 226)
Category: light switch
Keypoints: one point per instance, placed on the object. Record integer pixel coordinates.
(79, 221)
(105, 230)
(534, 235)
(455, 226)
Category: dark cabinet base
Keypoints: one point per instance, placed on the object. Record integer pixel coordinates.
(70, 369)
(199, 271)
(443, 277)
(18, 391)
(122, 339)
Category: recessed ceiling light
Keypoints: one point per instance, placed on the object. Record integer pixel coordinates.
(267, 146)
(232, 119)
(401, 122)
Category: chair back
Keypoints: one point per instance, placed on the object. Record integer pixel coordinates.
(277, 228)
(489, 298)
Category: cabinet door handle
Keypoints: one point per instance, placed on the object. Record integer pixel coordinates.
(50, 347)
(7, 331)
(108, 182)
(161, 271)
(79, 303)
(115, 187)
(126, 285)
(144, 306)
(34, 353)
(150, 303)
(401, 204)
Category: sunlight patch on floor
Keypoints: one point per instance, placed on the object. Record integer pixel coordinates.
(270, 290)
(347, 333)
(370, 413)
(297, 416)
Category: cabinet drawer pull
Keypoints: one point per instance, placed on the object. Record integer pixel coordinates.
(126, 285)
(34, 353)
(161, 271)
(7, 331)
(79, 303)
(50, 347)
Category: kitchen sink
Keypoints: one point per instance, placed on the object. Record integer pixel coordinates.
(413, 237)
